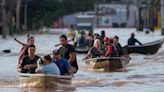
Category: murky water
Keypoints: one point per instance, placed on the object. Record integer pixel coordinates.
(144, 73)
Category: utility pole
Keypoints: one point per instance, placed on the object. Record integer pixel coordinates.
(25, 16)
(97, 12)
(162, 17)
(18, 5)
(4, 25)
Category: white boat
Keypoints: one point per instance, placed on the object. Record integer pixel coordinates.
(43, 80)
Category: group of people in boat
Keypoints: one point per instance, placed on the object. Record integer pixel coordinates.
(108, 47)
(62, 62)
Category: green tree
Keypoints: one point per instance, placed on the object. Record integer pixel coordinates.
(45, 12)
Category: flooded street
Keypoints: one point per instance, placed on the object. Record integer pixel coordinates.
(144, 73)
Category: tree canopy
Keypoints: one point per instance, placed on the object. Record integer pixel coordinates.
(45, 12)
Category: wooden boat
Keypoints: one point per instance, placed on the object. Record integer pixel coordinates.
(147, 48)
(82, 49)
(107, 63)
(43, 81)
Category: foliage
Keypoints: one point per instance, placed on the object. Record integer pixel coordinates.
(45, 12)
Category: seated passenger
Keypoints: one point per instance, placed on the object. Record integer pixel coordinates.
(29, 62)
(118, 45)
(81, 39)
(95, 50)
(48, 67)
(89, 39)
(110, 49)
(63, 64)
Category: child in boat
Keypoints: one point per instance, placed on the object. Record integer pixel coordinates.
(24, 50)
(95, 50)
(48, 66)
(63, 64)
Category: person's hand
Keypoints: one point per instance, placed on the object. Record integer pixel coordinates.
(15, 39)
(27, 66)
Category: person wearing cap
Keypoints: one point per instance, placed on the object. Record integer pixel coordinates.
(68, 52)
(63, 64)
(48, 66)
(94, 50)
(110, 49)
(132, 40)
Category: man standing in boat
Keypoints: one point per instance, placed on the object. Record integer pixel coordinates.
(29, 62)
(132, 40)
(67, 51)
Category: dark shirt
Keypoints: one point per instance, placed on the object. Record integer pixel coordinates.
(119, 48)
(65, 51)
(63, 65)
(26, 61)
(132, 41)
(94, 52)
(114, 52)
(81, 40)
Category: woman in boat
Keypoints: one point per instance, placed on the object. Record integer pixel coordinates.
(48, 66)
(63, 64)
(110, 48)
(24, 50)
(95, 50)
(132, 40)
(118, 45)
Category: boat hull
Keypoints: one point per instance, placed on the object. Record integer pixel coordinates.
(43, 81)
(148, 48)
(107, 64)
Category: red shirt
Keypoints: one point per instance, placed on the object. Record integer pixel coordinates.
(108, 50)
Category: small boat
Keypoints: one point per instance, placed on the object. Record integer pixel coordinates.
(82, 49)
(43, 80)
(147, 48)
(107, 63)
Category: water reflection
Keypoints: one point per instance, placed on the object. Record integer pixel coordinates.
(62, 89)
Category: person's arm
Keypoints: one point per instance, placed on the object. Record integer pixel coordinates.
(20, 67)
(72, 56)
(24, 44)
(38, 70)
(138, 42)
(88, 55)
(22, 54)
